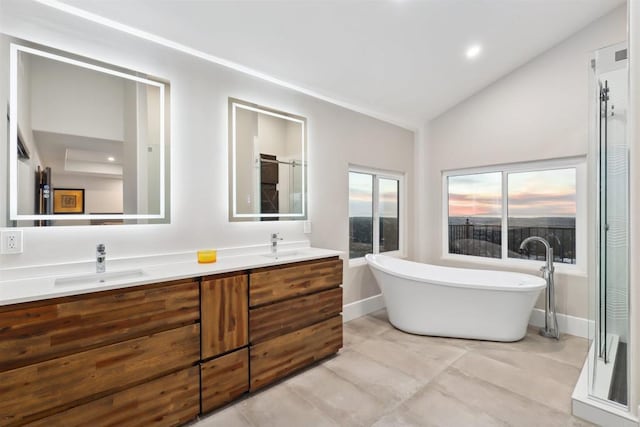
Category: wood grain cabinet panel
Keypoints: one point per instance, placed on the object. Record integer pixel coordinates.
(277, 283)
(167, 401)
(278, 357)
(224, 379)
(34, 332)
(225, 315)
(35, 391)
(287, 316)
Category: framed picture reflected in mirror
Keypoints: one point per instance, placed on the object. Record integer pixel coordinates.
(68, 201)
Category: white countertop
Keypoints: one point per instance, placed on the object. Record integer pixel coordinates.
(39, 283)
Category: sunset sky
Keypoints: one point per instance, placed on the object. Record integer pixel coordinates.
(548, 193)
(360, 196)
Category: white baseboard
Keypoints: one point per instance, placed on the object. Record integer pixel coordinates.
(356, 309)
(567, 324)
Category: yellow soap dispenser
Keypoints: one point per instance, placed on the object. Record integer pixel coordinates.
(206, 256)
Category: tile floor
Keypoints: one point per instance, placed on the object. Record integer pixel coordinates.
(384, 377)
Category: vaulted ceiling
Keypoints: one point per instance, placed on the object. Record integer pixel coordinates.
(402, 59)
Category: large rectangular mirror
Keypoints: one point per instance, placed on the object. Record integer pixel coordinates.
(88, 141)
(267, 164)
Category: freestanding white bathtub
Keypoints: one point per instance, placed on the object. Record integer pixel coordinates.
(456, 302)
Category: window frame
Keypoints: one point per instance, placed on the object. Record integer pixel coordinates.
(580, 165)
(402, 212)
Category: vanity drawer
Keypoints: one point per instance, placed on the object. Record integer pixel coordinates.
(287, 316)
(225, 314)
(278, 357)
(171, 400)
(277, 283)
(224, 379)
(34, 332)
(39, 390)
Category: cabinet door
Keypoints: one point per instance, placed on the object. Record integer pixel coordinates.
(278, 283)
(167, 401)
(286, 316)
(224, 379)
(36, 391)
(278, 357)
(43, 330)
(224, 314)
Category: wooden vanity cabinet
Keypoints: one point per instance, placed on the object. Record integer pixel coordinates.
(224, 379)
(225, 336)
(161, 354)
(61, 360)
(278, 283)
(225, 315)
(170, 400)
(42, 330)
(294, 317)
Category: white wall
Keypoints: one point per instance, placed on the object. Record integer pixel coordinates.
(272, 133)
(27, 167)
(199, 93)
(292, 199)
(149, 184)
(101, 195)
(247, 172)
(67, 99)
(539, 111)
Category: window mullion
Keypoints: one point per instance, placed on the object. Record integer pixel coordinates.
(505, 217)
(376, 216)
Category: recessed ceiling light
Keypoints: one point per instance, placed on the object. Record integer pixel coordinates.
(111, 159)
(473, 51)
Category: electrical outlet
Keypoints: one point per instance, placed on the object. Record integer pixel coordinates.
(11, 242)
(307, 227)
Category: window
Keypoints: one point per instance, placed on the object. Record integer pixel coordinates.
(360, 214)
(475, 214)
(490, 212)
(374, 212)
(543, 203)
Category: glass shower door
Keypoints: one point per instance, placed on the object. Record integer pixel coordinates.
(608, 373)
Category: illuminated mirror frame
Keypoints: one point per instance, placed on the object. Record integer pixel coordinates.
(234, 105)
(90, 64)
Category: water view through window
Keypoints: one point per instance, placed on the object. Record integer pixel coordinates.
(539, 203)
(475, 214)
(543, 203)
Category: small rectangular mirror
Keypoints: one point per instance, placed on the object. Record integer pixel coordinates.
(267, 164)
(88, 141)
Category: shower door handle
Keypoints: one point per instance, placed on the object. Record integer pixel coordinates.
(603, 147)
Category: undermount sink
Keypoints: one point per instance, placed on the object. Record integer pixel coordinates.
(98, 278)
(284, 254)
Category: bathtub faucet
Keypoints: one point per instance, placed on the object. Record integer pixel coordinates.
(550, 320)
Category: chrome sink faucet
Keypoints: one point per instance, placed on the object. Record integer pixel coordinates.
(275, 237)
(101, 258)
(550, 320)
